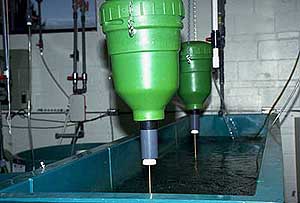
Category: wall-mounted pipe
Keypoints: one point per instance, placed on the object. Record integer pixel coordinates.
(29, 107)
(215, 33)
(83, 6)
(75, 46)
(5, 68)
(5, 37)
(218, 44)
(83, 10)
(221, 41)
(41, 43)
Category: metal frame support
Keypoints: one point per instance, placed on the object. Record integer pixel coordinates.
(82, 5)
(218, 45)
(221, 26)
(6, 71)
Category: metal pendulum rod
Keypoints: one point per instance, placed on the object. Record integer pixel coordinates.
(149, 180)
(195, 147)
(195, 155)
(195, 128)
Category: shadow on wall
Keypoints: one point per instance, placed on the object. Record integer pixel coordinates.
(103, 54)
(170, 114)
(125, 120)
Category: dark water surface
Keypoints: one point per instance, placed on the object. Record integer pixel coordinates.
(223, 166)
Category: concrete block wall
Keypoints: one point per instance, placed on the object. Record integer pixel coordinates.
(263, 39)
(262, 43)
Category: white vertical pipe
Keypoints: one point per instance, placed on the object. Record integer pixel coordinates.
(214, 11)
(215, 25)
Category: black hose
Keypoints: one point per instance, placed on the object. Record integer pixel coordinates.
(52, 76)
(279, 96)
(41, 47)
(59, 126)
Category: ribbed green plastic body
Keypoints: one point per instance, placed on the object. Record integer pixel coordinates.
(145, 65)
(195, 77)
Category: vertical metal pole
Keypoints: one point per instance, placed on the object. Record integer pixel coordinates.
(6, 69)
(221, 25)
(149, 181)
(30, 134)
(1, 137)
(297, 146)
(75, 45)
(5, 35)
(222, 82)
(215, 33)
(84, 74)
(5, 66)
(41, 44)
(29, 24)
(83, 39)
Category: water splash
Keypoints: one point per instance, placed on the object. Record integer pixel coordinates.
(231, 126)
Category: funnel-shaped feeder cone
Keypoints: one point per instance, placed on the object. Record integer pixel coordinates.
(195, 78)
(143, 38)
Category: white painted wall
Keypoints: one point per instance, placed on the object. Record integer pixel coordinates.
(262, 43)
(46, 95)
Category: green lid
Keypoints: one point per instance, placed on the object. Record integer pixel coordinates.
(196, 50)
(118, 12)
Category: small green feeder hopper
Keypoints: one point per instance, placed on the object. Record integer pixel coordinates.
(195, 78)
(143, 38)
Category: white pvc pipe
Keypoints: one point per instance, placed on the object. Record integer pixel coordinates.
(214, 12)
(215, 28)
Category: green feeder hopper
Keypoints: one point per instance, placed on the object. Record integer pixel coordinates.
(143, 38)
(195, 78)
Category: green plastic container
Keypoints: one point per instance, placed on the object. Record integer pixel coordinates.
(143, 38)
(195, 73)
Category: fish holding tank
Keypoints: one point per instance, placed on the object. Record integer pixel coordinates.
(200, 157)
